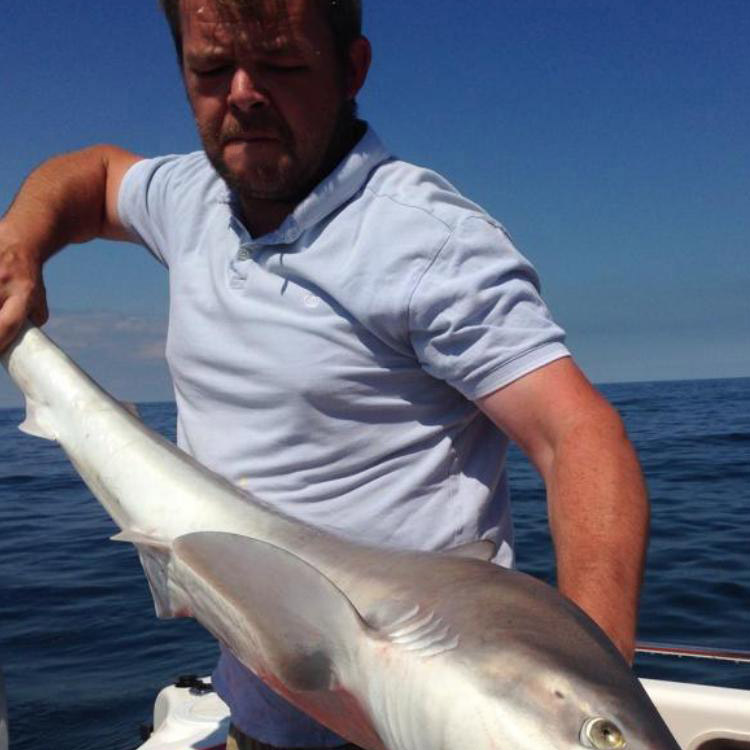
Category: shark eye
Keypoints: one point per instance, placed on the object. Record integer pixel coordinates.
(602, 734)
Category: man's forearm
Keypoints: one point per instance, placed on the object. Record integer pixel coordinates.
(68, 199)
(61, 202)
(599, 515)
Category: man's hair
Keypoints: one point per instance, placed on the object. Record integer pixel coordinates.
(343, 16)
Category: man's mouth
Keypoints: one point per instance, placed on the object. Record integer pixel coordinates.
(250, 138)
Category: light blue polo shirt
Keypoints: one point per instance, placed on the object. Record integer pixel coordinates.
(330, 367)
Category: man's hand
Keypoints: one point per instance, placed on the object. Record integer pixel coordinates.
(597, 504)
(22, 292)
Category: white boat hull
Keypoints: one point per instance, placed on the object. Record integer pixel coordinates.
(701, 716)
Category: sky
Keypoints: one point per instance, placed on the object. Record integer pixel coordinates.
(610, 137)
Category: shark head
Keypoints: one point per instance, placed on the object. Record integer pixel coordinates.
(537, 674)
(504, 661)
(528, 703)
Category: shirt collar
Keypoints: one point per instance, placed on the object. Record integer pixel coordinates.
(335, 190)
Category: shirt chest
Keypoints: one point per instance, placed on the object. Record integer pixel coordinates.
(259, 325)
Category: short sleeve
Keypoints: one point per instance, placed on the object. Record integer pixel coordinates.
(477, 319)
(143, 202)
(162, 200)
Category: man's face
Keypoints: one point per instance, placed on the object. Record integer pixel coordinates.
(268, 93)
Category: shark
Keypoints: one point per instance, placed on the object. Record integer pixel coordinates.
(392, 649)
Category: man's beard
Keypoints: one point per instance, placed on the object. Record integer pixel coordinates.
(284, 178)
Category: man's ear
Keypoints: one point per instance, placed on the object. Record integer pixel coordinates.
(360, 56)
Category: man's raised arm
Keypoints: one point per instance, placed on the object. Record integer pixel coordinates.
(70, 198)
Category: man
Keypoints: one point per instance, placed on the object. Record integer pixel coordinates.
(347, 333)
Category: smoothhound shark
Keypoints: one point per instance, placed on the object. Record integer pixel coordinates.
(391, 649)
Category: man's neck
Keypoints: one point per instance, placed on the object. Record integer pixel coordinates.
(262, 216)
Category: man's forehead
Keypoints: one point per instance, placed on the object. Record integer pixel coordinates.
(272, 26)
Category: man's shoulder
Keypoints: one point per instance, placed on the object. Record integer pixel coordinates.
(188, 174)
(422, 193)
(165, 200)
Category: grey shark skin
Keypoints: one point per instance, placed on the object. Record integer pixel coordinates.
(393, 650)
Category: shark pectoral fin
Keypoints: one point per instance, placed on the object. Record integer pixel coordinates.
(290, 620)
(34, 423)
(482, 549)
(155, 555)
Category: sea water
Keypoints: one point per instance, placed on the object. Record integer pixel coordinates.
(84, 655)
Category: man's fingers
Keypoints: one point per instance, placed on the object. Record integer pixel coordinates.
(12, 316)
(39, 312)
(22, 293)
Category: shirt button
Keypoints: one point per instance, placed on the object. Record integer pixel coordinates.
(243, 254)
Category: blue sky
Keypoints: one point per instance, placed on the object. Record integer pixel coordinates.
(611, 137)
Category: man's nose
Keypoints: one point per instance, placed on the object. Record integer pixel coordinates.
(246, 92)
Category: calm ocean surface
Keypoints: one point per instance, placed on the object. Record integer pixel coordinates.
(84, 655)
